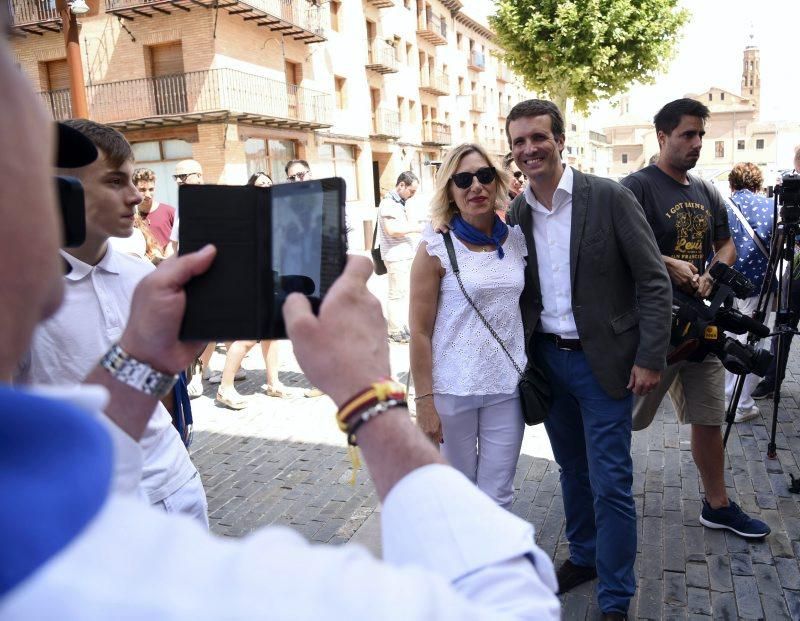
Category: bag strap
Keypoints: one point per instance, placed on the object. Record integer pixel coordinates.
(753, 235)
(451, 253)
(375, 232)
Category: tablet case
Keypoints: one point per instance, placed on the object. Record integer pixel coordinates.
(236, 298)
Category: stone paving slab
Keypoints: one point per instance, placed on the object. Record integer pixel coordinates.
(284, 462)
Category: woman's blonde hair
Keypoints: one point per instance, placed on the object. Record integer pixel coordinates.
(443, 208)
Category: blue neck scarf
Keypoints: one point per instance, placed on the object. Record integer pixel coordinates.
(468, 233)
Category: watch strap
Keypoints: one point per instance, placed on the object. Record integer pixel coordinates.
(139, 375)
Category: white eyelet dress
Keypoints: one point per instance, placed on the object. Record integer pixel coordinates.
(474, 382)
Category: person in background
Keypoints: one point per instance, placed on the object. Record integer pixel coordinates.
(395, 233)
(750, 217)
(227, 394)
(159, 217)
(260, 180)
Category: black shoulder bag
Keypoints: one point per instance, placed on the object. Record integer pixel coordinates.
(377, 260)
(534, 389)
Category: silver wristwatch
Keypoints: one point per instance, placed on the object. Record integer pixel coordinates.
(139, 375)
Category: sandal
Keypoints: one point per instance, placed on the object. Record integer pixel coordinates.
(231, 399)
(280, 393)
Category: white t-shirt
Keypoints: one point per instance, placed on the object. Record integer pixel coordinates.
(467, 360)
(66, 347)
(394, 248)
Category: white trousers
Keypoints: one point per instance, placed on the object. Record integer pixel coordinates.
(482, 439)
(397, 303)
(747, 307)
(189, 499)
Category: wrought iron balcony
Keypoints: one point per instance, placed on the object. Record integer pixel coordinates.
(435, 133)
(432, 28)
(477, 61)
(503, 110)
(435, 83)
(297, 19)
(478, 103)
(34, 16)
(385, 123)
(381, 57)
(197, 96)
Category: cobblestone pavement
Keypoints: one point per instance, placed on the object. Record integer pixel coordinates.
(283, 461)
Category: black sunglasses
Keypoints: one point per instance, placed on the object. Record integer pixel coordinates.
(519, 174)
(485, 175)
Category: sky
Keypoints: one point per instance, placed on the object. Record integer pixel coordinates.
(709, 53)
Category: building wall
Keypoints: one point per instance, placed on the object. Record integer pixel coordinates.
(115, 54)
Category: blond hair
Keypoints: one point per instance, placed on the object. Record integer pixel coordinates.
(443, 208)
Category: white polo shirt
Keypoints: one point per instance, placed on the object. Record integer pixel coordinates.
(551, 235)
(67, 347)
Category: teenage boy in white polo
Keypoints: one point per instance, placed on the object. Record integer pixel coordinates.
(99, 284)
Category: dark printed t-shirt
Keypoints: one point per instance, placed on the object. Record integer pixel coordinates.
(686, 219)
(160, 222)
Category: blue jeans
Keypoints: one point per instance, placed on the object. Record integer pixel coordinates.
(591, 438)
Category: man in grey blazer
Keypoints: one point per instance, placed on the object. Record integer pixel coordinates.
(596, 309)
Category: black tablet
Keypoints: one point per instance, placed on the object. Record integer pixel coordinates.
(270, 242)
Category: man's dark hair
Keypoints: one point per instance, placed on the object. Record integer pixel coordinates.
(407, 178)
(537, 107)
(107, 139)
(669, 117)
(291, 163)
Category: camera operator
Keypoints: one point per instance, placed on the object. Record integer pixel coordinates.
(75, 549)
(751, 218)
(689, 220)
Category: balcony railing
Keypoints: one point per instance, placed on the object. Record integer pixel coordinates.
(503, 109)
(477, 61)
(297, 19)
(504, 74)
(435, 82)
(478, 103)
(385, 123)
(598, 137)
(432, 28)
(435, 133)
(382, 57)
(189, 97)
(34, 16)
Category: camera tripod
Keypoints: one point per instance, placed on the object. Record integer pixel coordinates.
(781, 248)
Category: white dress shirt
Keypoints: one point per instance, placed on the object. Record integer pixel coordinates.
(66, 347)
(450, 554)
(551, 235)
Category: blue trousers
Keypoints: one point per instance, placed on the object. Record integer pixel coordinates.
(591, 438)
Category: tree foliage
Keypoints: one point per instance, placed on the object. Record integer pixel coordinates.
(586, 50)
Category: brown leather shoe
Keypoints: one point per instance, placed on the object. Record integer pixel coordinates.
(571, 575)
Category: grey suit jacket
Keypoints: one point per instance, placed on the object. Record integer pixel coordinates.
(621, 292)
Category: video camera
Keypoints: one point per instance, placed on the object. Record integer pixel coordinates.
(698, 328)
(788, 193)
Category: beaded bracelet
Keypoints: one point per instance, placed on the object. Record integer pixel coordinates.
(356, 420)
(379, 392)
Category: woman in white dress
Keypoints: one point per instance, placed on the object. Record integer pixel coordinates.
(466, 385)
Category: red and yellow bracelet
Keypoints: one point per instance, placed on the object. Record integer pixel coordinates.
(381, 392)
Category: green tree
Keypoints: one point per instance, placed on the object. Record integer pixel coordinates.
(586, 50)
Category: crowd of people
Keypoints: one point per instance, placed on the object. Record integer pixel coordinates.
(524, 264)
